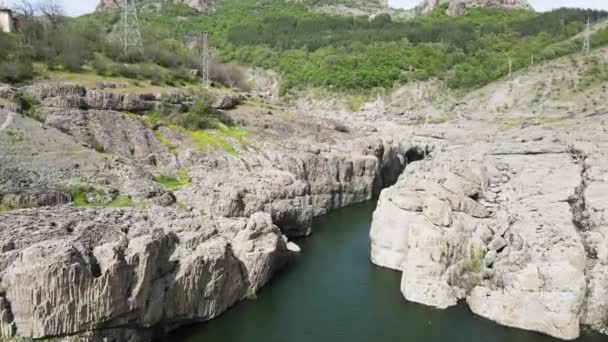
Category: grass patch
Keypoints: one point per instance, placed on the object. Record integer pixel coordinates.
(139, 88)
(152, 120)
(443, 119)
(79, 198)
(121, 202)
(354, 103)
(475, 262)
(89, 77)
(182, 180)
(206, 141)
(5, 208)
(251, 295)
(235, 133)
(85, 78)
(164, 141)
(216, 139)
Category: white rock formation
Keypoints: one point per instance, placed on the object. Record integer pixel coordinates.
(68, 271)
(459, 7)
(199, 5)
(515, 229)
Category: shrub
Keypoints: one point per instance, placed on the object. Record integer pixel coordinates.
(73, 52)
(201, 116)
(125, 70)
(149, 72)
(16, 71)
(101, 64)
(230, 75)
(15, 65)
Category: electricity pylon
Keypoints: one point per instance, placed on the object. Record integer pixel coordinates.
(131, 35)
(206, 52)
(587, 38)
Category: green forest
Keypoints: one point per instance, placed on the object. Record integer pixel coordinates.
(308, 49)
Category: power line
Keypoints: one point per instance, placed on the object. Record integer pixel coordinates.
(131, 35)
(587, 38)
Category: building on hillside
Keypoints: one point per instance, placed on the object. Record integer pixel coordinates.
(7, 23)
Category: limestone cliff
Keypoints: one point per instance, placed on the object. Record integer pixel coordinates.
(173, 256)
(459, 7)
(199, 5)
(517, 229)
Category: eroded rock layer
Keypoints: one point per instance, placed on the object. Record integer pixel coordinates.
(173, 255)
(517, 230)
(68, 271)
(459, 7)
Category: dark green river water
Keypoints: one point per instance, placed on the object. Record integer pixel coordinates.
(333, 293)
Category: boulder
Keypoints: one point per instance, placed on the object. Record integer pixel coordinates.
(226, 100)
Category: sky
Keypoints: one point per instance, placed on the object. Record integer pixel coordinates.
(78, 7)
(539, 5)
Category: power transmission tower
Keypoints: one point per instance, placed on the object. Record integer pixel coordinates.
(131, 35)
(587, 38)
(206, 52)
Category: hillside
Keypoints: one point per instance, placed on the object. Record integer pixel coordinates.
(310, 49)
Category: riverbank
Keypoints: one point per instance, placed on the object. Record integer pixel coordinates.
(333, 293)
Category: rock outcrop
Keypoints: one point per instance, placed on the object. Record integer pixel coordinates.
(297, 186)
(459, 7)
(66, 95)
(198, 5)
(68, 270)
(506, 227)
(175, 256)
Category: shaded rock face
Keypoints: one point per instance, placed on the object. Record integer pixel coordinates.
(198, 5)
(506, 227)
(66, 95)
(82, 270)
(297, 186)
(459, 7)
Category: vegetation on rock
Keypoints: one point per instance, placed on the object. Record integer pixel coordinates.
(309, 49)
(181, 180)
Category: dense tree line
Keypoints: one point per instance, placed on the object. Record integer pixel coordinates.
(356, 52)
(310, 49)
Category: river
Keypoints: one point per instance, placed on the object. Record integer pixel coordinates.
(333, 293)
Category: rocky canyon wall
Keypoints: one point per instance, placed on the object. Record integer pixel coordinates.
(517, 230)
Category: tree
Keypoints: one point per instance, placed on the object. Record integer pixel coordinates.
(24, 8)
(51, 9)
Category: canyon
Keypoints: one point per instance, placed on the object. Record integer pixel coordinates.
(122, 218)
(473, 211)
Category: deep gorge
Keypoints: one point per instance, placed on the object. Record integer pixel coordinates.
(332, 292)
